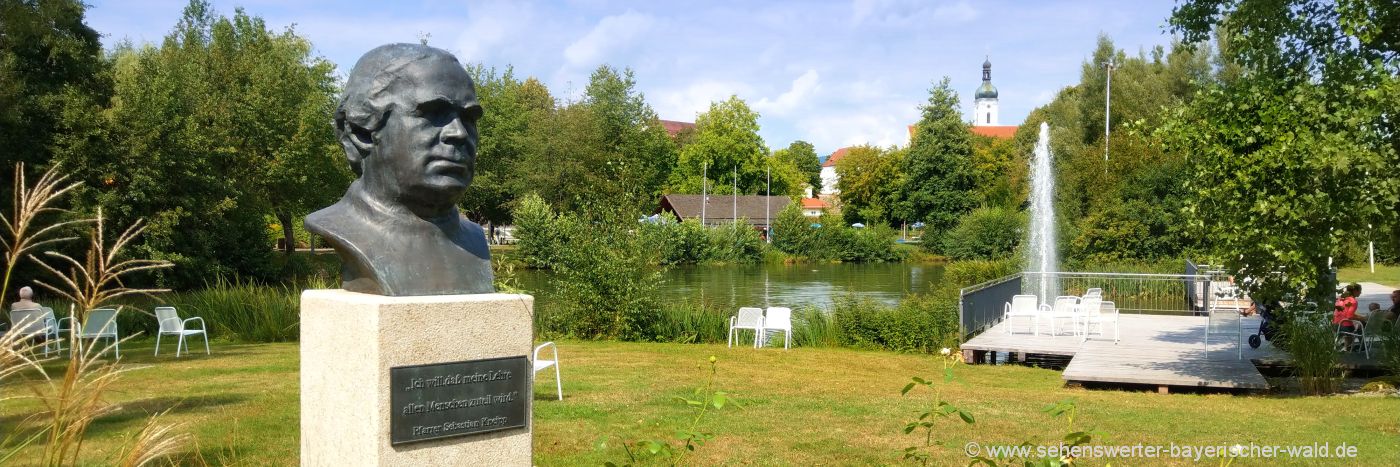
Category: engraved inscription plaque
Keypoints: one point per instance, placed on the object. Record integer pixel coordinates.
(444, 400)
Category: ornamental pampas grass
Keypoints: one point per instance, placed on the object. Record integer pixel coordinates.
(98, 279)
(22, 233)
(73, 402)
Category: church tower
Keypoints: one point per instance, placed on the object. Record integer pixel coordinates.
(986, 99)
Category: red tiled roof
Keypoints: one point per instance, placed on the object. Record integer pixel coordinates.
(835, 156)
(673, 127)
(1003, 132)
(813, 203)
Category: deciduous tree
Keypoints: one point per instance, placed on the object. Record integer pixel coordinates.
(220, 128)
(725, 145)
(1298, 151)
(53, 83)
(803, 156)
(870, 182)
(939, 181)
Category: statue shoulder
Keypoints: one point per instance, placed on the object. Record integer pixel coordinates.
(327, 221)
(474, 239)
(472, 227)
(341, 227)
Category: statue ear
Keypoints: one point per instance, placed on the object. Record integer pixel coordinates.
(357, 142)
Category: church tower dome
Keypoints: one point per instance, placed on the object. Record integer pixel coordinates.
(986, 98)
(987, 91)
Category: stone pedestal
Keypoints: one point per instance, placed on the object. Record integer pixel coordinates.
(349, 342)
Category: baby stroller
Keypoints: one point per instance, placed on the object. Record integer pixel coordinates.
(1267, 327)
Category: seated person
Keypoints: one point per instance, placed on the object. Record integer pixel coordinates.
(1381, 319)
(26, 300)
(1392, 314)
(1345, 314)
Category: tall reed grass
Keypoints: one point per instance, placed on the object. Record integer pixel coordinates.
(814, 327)
(691, 323)
(245, 311)
(1313, 346)
(921, 323)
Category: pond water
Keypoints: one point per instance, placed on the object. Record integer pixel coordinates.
(792, 286)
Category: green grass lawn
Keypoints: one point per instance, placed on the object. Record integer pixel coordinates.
(1385, 275)
(799, 407)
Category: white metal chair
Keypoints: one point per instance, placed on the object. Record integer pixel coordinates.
(543, 364)
(1106, 312)
(1086, 304)
(56, 327)
(1023, 306)
(778, 319)
(1066, 307)
(32, 323)
(1219, 319)
(171, 324)
(101, 323)
(748, 318)
(1093, 291)
(1357, 332)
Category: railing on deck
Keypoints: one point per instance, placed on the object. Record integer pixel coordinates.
(1155, 294)
(982, 305)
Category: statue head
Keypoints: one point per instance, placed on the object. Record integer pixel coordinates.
(407, 121)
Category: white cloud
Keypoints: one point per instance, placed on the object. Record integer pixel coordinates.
(801, 91)
(491, 25)
(880, 124)
(611, 32)
(685, 103)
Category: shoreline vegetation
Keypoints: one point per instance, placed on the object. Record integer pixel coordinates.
(247, 311)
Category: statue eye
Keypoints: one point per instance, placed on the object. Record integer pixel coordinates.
(438, 111)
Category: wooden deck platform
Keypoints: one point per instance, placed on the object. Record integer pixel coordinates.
(1162, 351)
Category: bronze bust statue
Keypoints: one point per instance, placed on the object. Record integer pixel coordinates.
(407, 121)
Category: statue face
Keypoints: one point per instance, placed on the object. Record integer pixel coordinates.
(425, 153)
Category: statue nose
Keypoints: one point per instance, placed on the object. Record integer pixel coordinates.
(455, 132)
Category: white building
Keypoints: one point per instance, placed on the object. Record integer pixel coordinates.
(829, 177)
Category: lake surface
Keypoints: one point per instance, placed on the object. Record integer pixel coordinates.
(780, 285)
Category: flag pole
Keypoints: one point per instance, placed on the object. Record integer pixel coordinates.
(704, 192)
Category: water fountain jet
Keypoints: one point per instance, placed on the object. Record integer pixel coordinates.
(1041, 256)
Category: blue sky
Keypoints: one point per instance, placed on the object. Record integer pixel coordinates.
(834, 73)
